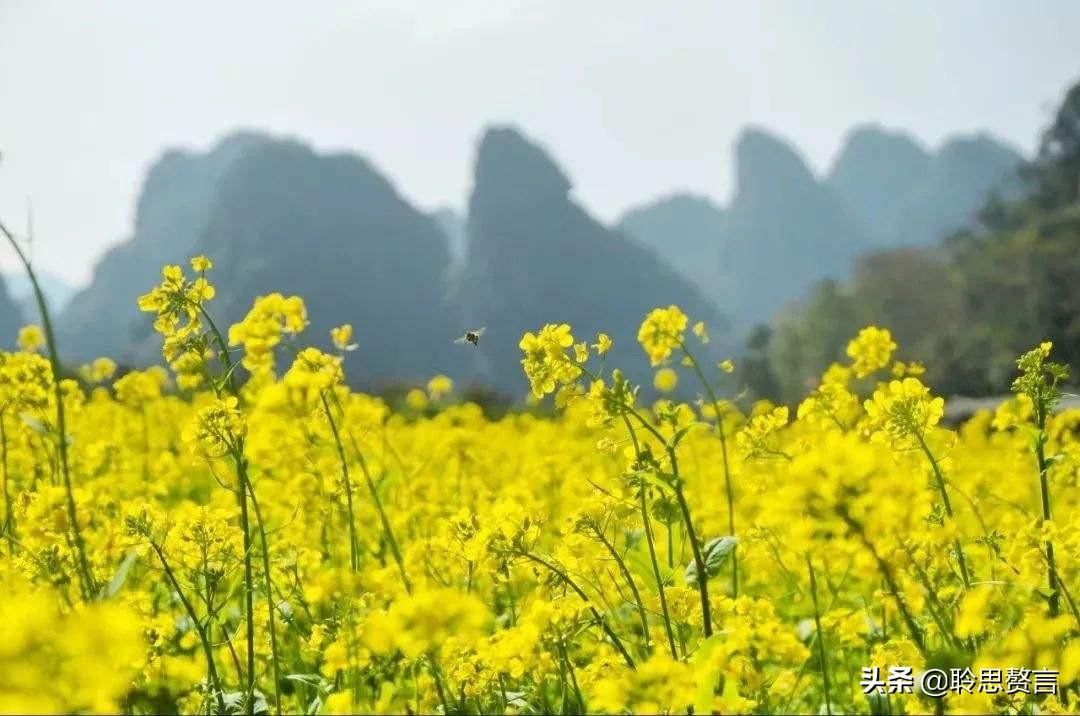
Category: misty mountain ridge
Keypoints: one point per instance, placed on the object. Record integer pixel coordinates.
(784, 228)
(58, 292)
(904, 195)
(274, 215)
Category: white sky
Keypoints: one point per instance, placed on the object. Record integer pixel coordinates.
(635, 98)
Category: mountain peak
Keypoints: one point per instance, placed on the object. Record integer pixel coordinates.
(765, 160)
(687, 230)
(535, 256)
(874, 136)
(874, 173)
(872, 145)
(517, 170)
(979, 147)
(687, 200)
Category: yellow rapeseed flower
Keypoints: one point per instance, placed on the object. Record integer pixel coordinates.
(870, 350)
(661, 332)
(903, 411)
(603, 343)
(665, 380)
(31, 338)
(201, 264)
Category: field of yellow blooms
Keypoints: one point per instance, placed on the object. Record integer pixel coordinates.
(241, 533)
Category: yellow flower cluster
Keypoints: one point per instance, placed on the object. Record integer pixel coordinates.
(271, 318)
(903, 411)
(547, 363)
(179, 306)
(219, 540)
(662, 332)
(870, 351)
(57, 660)
(754, 439)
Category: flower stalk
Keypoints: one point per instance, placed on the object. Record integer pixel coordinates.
(87, 584)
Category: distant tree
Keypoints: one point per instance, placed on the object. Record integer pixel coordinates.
(807, 340)
(755, 369)
(917, 296)
(1056, 170)
(1020, 287)
(968, 307)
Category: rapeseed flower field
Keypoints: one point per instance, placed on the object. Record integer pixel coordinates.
(242, 533)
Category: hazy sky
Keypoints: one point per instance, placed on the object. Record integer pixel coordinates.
(636, 99)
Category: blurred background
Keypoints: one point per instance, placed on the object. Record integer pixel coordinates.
(785, 171)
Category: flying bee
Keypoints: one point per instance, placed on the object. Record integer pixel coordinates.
(472, 336)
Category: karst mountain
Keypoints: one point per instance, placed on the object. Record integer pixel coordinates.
(275, 215)
(535, 256)
(784, 229)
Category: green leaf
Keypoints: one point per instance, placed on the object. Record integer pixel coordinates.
(315, 680)
(715, 554)
(655, 479)
(665, 510)
(641, 566)
(120, 576)
(680, 434)
(235, 703)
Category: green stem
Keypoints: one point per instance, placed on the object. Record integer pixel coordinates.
(1069, 600)
(727, 467)
(86, 579)
(630, 581)
(940, 479)
(820, 636)
(647, 524)
(890, 582)
(936, 608)
(573, 676)
(245, 519)
(199, 628)
(695, 547)
(270, 606)
(670, 545)
(437, 676)
(223, 350)
(249, 585)
(354, 560)
(9, 514)
(688, 523)
(383, 518)
(1044, 494)
(600, 621)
